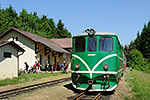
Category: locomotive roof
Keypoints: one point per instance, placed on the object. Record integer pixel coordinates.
(97, 33)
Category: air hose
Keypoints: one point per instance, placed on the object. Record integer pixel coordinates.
(108, 82)
(106, 76)
(77, 79)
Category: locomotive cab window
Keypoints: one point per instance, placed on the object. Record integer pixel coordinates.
(91, 44)
(79, 45)
(106, 44)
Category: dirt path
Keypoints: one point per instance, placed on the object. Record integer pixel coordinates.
(122, 91)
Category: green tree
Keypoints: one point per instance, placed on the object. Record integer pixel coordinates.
(138, 62)
(128, 49)
(1, 19)
(145, 41)
(43, 26)
(24, 20)
(7, 18)
(61, 31)
(141, 43)
(52, 28)
(67, 34)
(127, 52)
(33, 23)
(137, 41)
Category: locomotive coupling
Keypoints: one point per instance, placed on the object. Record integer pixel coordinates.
(90, 82)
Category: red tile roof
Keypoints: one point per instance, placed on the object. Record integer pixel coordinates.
(64, 42)
(47, 42)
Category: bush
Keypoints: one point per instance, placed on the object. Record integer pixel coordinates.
(138, 62)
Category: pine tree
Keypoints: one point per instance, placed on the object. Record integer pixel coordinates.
(52, 28)
(1, 20)
(44, 26)
(127, 52)
(137, 41)
(7, 18)
(145, 41)
(24, 19)
(61, 31)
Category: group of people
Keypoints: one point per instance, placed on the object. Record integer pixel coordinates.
(57, 67)
(62, 67)
(36, 67)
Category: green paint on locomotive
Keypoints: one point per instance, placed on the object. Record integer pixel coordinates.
(92, 64)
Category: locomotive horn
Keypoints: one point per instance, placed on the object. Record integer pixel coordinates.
(90, 32)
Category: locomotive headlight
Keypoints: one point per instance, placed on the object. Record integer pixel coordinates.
(77, 66)
(106, 66)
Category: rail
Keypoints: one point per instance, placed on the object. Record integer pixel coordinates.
(17, 91)
(83, 94)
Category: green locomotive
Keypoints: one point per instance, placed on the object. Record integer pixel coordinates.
(97, 61)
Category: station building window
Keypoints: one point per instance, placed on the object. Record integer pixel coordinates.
(7, 54)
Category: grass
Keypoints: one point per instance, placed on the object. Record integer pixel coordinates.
(140, 84)
(27, 77)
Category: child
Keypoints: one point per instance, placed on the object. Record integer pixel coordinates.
(52, 69)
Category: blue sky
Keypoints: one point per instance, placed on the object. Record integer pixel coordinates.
(123, 17)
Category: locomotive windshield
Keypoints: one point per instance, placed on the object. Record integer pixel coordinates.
(91, 44)
(79, 45)
(105, 44)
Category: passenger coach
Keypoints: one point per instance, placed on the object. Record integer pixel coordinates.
(97, 61)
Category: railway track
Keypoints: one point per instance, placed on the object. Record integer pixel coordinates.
(84, 96)
(17, 91)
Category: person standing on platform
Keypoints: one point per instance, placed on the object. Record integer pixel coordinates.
(55, 66)
(26, 67)
(39, 65)
(58, 66)
(35, 64)
(65, 67)
(52, 69)
(46, 67)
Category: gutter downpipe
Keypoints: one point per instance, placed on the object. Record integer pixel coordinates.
(18, 60)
